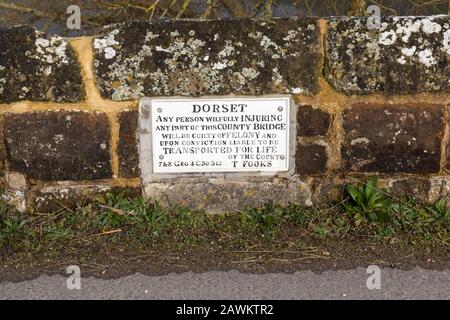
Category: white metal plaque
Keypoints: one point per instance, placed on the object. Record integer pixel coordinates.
(219, 134)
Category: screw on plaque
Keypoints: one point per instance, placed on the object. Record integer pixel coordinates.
(159, 110)
(161, 157)
(280, 108)
(282, 157)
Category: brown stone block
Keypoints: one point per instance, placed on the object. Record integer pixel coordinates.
(128, 148)
(388, 138)
(311, 159)
(58, 145)
(312, 122)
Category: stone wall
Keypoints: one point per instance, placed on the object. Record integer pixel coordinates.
(369, 102)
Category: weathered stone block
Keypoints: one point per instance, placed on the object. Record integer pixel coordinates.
(54, 198)
(312, 122)
(392, 138)
(219, 196)
(128, 146)
(406, 55)
(411, 187)
(192, 58)
(311, 159)
(328, 190)
(58, 145)
(440, 187)
(35, 66)
(15, 192)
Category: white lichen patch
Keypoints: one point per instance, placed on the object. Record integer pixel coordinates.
(291, 35)
(279, 50)
(446, 41)
(266, 43)
(48, 70)
(277, 79)
(429, 26)
(250, 73)
(109, 53)
(161, 49)
(219, 66)
(2, 81)
(401, 60)
(407, 28)
(52, 50)
(388, 38)
(422, 52)
(23, 92)
(426, 57)
(297, 90)
(227, 50)
(150, 36)
(409, 52)
(58, 138)
(363, 60)
(362, 140)
(406, 52)
(106, 44)
(223, 56)
(15, 198)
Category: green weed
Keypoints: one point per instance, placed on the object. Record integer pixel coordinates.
(367, 202)
(13, 231)
(266, 218)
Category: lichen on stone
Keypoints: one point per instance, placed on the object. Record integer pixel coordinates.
(52, 50)
(244, 56)
(37, 66)
(405, 55)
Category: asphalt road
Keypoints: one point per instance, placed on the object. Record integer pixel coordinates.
(342, 284)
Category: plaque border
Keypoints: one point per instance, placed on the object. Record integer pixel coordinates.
(145, 142)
